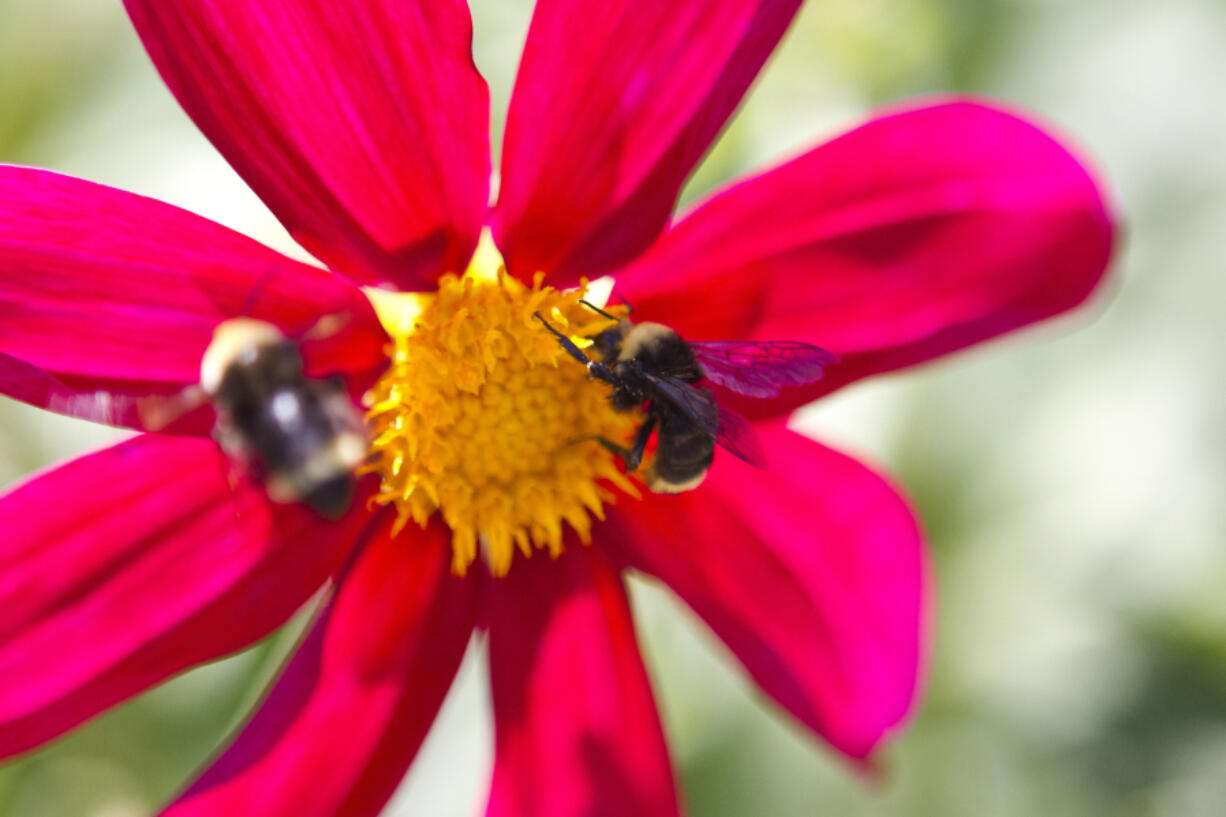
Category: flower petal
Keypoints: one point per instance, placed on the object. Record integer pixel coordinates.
(107, 297)
(922, 232)
(348, 714)
(576, 727)
(811, 572)
(614, 105)
(125, 567)
(363, 126)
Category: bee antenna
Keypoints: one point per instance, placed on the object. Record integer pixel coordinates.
(566, 343)
(257, 289)
(595, 308)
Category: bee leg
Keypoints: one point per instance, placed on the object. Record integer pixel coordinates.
(327, 326)
(226, 463)
(626, 455)
(632, 456)
(157, 412)
(229, 441)
(596, 370)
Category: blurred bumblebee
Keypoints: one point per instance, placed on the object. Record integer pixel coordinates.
(301, 435)
(650, 365)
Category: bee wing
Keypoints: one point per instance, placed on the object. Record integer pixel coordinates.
(698, 404)
(730, 430)
(762, 368)
(38, 387)
(736, 435)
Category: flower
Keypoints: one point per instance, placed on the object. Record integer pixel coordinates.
(364, 128)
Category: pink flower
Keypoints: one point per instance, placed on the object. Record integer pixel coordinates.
(364, 127)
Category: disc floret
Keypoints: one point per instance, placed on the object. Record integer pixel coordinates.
(482, 418)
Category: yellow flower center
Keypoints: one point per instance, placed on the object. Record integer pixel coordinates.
(483, 418)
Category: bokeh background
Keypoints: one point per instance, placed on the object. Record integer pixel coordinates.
(1071, 478)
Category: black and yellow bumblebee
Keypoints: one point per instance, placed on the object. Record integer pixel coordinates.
(650, 365)
(301, 435)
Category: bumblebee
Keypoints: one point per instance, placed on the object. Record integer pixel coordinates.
(301, 435)
(650, 365)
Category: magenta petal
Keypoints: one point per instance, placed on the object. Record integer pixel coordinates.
(363, 126)
(576, 727)
(348, 714)
(107, 297)
(125, 567)
(920, 233)
(811, 572)
(614, 105)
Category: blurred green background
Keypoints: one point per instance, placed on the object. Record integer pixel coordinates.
(1071, 478)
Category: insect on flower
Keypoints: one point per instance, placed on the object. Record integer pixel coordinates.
(650, 363)
(365, 128)
(301, 435)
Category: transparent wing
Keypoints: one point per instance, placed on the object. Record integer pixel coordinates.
(736, 435)
(41, 388)
(762, 368)
(697, 403)
(729, 429)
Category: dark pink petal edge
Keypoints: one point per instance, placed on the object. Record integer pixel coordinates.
(926, 230)
(813, 574)
(363, 126)
(125, 567)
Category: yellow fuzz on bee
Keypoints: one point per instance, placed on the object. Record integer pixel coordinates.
(483, 418)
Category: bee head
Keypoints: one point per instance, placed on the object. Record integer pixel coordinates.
(235, 341)
(607, 345)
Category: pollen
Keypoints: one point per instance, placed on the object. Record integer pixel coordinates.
(482, 418)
